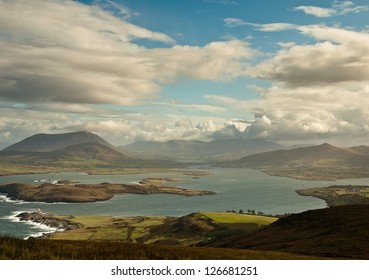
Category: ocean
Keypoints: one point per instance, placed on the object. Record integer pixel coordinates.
(235, 189)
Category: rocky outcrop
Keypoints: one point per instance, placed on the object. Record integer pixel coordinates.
(49, 220)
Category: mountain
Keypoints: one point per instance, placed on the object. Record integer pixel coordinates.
(51, 142)
(322, 162)
(336, 232)
(183, 149)
(76, 151)
(91, 151)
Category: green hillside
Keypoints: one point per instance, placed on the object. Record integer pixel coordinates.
(322, 162)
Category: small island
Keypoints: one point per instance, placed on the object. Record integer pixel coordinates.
(61, 192)
(339, 195)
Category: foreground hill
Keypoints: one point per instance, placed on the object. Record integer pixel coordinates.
(36, 249)
(337, 232)
(322, 162)
(52, 142)
(182, 149)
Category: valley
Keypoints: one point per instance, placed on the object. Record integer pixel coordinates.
(225, 178)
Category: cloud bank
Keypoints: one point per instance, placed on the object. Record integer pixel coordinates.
(64, 51)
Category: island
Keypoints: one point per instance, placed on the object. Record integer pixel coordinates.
(62, 192)
(339, 195)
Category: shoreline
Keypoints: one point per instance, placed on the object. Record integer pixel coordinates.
(338, 195)
(45, 230)
(108, 171)
(45, 221)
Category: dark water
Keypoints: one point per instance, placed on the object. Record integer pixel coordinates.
(236, 189)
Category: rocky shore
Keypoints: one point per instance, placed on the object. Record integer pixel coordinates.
(49, 220)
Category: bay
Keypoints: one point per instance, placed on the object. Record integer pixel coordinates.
(236, 189)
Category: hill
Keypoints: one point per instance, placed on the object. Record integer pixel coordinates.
(183, 149)
(322, 162)
(52, 142)
(76, 151)
(337, 232)
(81, 154)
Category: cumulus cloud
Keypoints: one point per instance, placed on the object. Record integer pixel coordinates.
(68, 52)
(339, 56)
(320, 112)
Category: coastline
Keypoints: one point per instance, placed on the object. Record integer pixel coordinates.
(45, 229)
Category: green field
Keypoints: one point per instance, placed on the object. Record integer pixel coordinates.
(234, 218)
(183, 231)
(109, 228)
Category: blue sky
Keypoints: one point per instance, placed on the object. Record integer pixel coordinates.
(291, 71)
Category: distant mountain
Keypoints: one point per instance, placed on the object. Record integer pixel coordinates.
(51, 142)
(90, 151)
(182, 149)
(336, 232)
(74, 150)
(322, 162)
(81, 151)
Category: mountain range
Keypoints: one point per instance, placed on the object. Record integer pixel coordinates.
(321, 162)
(183, 149)
(82, 150)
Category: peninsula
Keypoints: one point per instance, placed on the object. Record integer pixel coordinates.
(60, 192)
(339, 195)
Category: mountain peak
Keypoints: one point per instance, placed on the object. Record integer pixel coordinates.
(43, 142)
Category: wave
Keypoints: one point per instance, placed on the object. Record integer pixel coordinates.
(41, 228)
(5, 198)
(9, 200)
(17, 201)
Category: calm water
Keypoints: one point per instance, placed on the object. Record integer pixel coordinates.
(236, 189)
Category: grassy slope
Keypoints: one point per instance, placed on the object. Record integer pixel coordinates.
(16, 249)
(323, 162)
(226, 218)
(105, 237)
(339, 232)
(190, 230)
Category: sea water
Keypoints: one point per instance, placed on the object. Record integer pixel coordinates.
(235, 189)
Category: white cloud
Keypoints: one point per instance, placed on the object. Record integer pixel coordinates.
(234, 22)
(303, 113)
(316, 11)
(67, 52)
(338, 8)
(216, 61)
(267, 27)
(339, 56)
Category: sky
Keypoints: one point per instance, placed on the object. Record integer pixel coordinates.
(290, 71)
